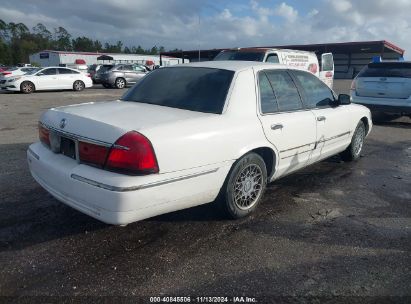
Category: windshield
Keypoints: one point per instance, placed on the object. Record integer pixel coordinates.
(388, 69)
(237, 55)
(188, 88)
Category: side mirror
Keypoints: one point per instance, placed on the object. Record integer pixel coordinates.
(40, 74)
(344, 99)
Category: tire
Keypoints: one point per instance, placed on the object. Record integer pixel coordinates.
(78, 85)
(106, 85)
(120, 83)
(27, 87)
(244, 186)
(353, 151)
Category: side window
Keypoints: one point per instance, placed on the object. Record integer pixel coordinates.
(127, 68)
(138, 68)
(267, 97)
(272, 58)
(65, 71)
(285, 91)
(49, 72)
(316, 93)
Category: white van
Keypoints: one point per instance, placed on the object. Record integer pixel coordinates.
(300, 59)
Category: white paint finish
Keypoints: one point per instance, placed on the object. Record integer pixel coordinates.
(51, 82)
(186, 143)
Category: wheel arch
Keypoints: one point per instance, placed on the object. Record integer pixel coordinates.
(364, 119)
(268, 154)
(34, 85)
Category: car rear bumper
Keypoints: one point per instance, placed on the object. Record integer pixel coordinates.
(388, 105)
(119, 199)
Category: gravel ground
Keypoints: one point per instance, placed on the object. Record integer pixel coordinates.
(332, 229)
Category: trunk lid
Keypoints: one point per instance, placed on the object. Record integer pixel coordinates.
(384, 87)
(107, 121)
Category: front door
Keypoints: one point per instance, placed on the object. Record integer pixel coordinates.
(286, 123)
(47, 79)
(333, 127)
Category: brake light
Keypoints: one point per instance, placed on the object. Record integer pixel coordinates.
(92, 154)
(353, 85)
(44, 135)
(132, 153)
(6, 73)
(88, 75)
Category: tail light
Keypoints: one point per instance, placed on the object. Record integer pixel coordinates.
(88, 75)
(6, 73)
(132, 153)
(353, 85)
(44, 135)
(92, 154)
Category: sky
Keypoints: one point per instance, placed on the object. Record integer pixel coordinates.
(188, 24)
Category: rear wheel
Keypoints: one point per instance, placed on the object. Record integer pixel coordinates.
(244, 186)
(353, 151)
(120, 83)
(27, 87)
(78, 85)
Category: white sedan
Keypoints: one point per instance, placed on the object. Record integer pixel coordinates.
(192, 134)
(50, 78)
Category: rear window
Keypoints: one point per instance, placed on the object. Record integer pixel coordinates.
(194, 89)
(391, 69)
(236, 55)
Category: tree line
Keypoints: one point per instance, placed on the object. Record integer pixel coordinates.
(17, 42)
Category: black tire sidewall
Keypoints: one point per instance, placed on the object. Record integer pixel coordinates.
(115, 83)
(82, 85)
(31, 85)
(228, 200)
(355, 156)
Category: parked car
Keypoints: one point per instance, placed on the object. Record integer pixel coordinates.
(191, 134)
(96, 70)
(12, 72)
(384, 87)
(50, 78)
(303, 60)
(122, 75)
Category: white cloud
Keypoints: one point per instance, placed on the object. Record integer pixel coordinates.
(286, 11)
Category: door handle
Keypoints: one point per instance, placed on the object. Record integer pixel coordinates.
(321, 118)
(276, 126)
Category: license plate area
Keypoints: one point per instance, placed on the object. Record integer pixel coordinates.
(68, 147)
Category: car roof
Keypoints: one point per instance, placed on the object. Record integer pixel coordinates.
(234, 65)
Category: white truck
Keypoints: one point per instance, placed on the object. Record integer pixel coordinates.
(303, 60)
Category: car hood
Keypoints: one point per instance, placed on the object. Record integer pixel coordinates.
(107, 121)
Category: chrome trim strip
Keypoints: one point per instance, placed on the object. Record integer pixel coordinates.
(316, 143)
(297, 153)
(145, 186)
(77, 137)
(34, 154)
(313, 143)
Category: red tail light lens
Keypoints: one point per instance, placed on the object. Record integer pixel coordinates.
(353, 85)
(132, 153)
(92, 154)
(44, 135)
(6, 73)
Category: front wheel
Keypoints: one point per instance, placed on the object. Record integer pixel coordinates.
(244, 186)
(27, 87)
(78, 85)
(353, 151)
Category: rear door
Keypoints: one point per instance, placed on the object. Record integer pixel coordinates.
(333, 123)
(327, 69)
(66, 78)
(287, 124)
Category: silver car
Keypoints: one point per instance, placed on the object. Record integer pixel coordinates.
(122, 75)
